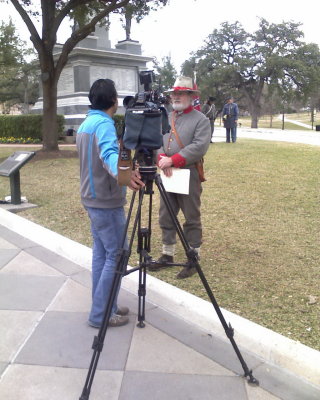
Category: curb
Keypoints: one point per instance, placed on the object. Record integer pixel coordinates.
(277, 349)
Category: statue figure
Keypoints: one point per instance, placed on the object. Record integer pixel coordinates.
(128, 18)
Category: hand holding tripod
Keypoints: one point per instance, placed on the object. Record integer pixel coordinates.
(149, 175)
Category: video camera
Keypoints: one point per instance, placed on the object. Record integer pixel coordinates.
(146, 118)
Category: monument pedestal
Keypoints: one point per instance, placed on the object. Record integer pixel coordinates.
(92, 59)
(129, 46)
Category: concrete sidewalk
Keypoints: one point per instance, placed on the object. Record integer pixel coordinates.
(291, 136)
(182, 353)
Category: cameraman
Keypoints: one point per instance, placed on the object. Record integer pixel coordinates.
(102, 197)
(183, 147)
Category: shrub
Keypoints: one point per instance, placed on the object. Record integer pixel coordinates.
(119, 123)
(25, 126)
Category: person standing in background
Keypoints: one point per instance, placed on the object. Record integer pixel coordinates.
(209, 110)
(230, 115)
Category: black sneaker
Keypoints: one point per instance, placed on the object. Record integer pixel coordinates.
(162, 262)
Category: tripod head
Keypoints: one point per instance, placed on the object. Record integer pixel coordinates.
(146, 159)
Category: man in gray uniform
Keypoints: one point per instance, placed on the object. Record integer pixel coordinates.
(183, 147)
(209, 110)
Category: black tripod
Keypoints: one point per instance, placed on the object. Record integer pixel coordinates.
(149, 175)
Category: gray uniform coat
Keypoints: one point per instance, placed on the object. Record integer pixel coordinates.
(209, 111)
(195, 133)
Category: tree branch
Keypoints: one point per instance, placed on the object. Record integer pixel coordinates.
(49, 35)
(66, 10)
(259, 91)
(35, 38)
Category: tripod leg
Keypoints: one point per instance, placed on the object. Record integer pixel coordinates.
(121, 267)
(144, 245)
(143, 248)
(227, 328)
(193, 261)
(98, 341)
(142, 293)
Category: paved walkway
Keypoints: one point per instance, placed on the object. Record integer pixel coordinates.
(291, 136)
(308, 126)
(45, 347)
(182, 353)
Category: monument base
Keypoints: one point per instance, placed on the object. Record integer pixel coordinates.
(129, 46)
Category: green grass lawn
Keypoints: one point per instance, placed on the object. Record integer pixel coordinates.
(260, 211)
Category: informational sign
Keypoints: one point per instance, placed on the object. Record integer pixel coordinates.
(13, 163)
(11, 168)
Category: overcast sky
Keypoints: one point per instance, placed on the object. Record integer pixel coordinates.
(181, 27)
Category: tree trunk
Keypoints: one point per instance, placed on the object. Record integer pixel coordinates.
(49, 122)
(253, 95)
(254, 108)
(312, 117)
(254, 117)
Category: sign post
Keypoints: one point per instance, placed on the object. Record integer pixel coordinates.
(11, 168)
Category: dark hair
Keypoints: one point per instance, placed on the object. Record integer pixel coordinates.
(211, 98)
(103, 94)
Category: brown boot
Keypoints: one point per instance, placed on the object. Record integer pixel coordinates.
(118, 320)
(122, 310)
(162, 262)
(186, 272)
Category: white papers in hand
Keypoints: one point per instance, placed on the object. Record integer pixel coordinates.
(178, 182)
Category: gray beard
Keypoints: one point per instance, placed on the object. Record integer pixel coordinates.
(178, 107)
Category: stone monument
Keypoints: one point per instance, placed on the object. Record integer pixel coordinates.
(92, 59)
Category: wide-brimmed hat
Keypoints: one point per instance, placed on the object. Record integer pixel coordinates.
(183, 84)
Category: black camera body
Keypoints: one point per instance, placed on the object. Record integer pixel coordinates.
(146, 119)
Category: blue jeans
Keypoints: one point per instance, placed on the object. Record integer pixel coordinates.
(233, 134)
(107, 228)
